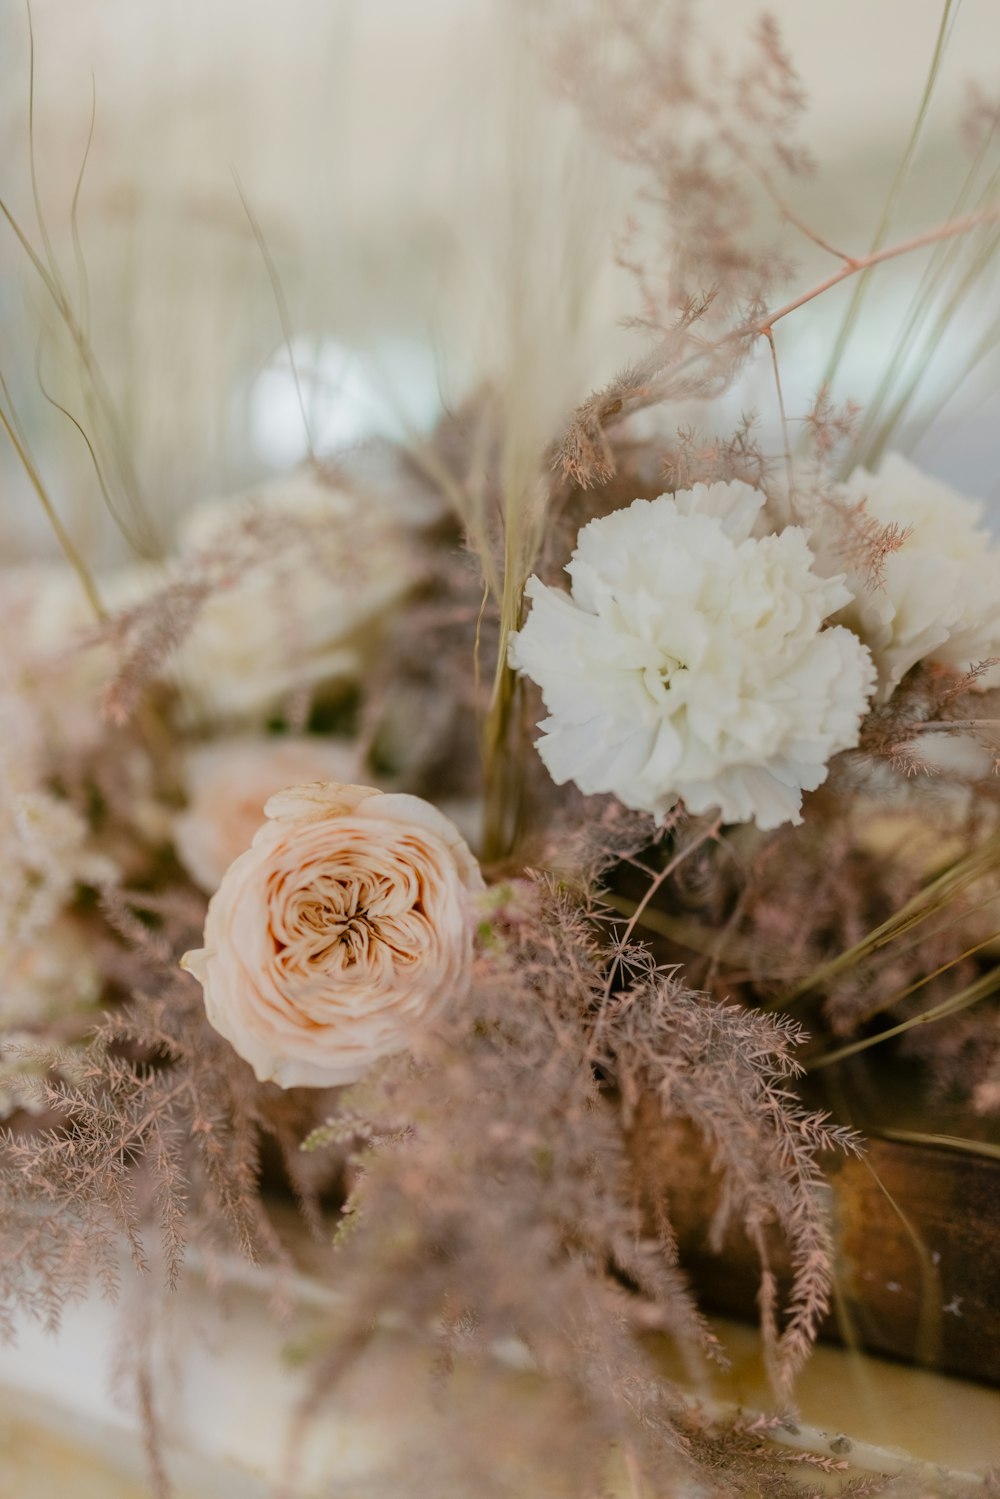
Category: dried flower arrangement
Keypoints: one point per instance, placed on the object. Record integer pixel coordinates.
(760, 822)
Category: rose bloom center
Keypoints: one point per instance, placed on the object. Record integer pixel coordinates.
(348, 911)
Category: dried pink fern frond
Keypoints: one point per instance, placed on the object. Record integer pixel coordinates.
(555, 1251)
(706, 136)
(145, 636)
(694, 459)
(727, 1070)
(152, 1126)
(862, 542)
(829, 426)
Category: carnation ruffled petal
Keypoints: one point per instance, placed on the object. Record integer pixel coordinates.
(690, 660)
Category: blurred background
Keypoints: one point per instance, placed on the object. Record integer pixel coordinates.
(411, 181)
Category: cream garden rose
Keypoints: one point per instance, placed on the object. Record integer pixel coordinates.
(228, 782)
(343, 929)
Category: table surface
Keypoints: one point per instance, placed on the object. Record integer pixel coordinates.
(227, 1387)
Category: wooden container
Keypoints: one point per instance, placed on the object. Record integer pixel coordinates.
(917, 1231)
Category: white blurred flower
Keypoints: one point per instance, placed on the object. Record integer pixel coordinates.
(52, 976)
(344, 928)
(49, 681)
(303, 611)
(20, 1078)
(50, 658)
(228, 782)
(46, 968)
(45, 855)
(940, 595)
(690, 661)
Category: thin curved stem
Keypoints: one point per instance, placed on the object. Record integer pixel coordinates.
(987, 984)
(657, 884)
(63, 537)
(769, 335)
(853, 266)
(889, 207)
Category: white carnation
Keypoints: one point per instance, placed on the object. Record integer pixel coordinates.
(689, 661)
(939, 598)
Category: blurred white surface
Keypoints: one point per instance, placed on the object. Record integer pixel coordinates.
(227, 1377)
(387, 149)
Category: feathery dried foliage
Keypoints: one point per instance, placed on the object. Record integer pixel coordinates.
(709, 138)
(864, 543)
(828, 427)
(561, 1252)
(149, 1133)
(694, 459)
(880, 914)
(931, 700)
(729, 1070)
(742, 1453)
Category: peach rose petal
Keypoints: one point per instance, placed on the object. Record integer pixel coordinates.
(344, 928)
(228, 782)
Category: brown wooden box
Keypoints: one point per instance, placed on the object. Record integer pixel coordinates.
(918, 1243)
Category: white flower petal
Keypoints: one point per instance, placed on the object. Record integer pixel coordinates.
(228, 782)
(690, 661)
(940, 595)
(306, 615)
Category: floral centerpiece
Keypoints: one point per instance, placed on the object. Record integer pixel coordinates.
(428, 838)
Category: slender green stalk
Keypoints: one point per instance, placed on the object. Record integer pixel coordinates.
(541, 325)
(46, 266)
(66, 542)
(985, 1148)
(502, 741)
(988, 983)
(931, 899)
(889, 208)
(82, 278)
(985, 346)
(501, 796)
(894, 999)
(94, 460)
(928, 1317)
(935, 275)
(935, 334)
